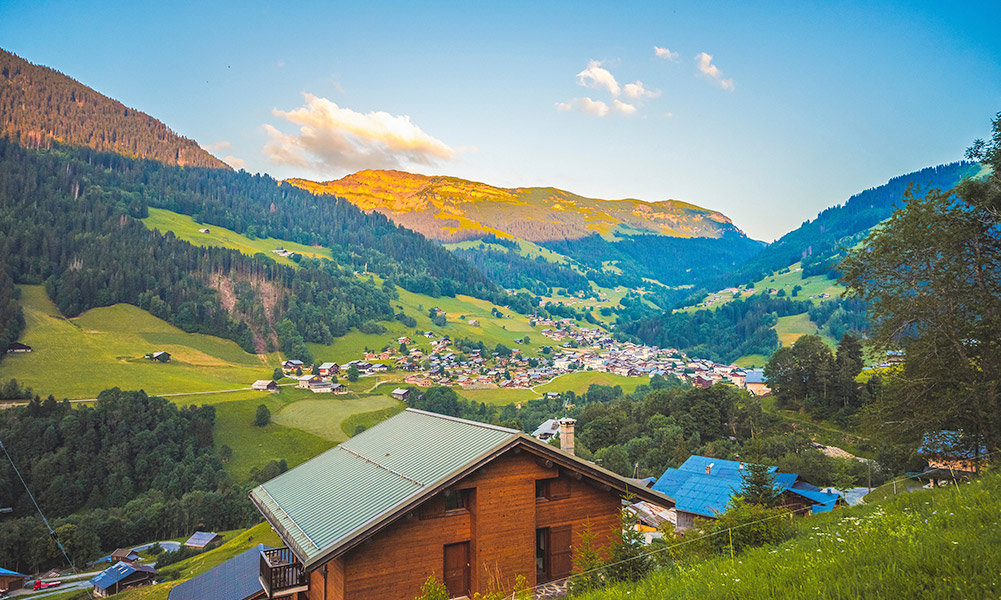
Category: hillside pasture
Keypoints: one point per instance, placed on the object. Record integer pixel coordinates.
(324, 415)
(187, 229)
(104, 348)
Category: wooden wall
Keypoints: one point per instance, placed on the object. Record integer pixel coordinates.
(500, 524)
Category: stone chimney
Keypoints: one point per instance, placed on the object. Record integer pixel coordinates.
(566, 435)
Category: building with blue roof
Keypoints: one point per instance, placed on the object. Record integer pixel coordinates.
(235, 579)
(122, 576)
(11, 580)
(702, 487)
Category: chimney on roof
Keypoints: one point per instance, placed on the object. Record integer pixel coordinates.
(709, 468)
(566, 435)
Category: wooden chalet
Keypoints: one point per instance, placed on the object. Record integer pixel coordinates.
(18, 348)
(265, 385)
(421, 494)
(124, 554)
(11, 580)
(120, 577)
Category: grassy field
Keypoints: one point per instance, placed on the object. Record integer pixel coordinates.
(369, 419)
(498, 396)
(104, 348)
(926, 544)
(196, 565)
(185, 228)
(579, 382)
(791, 328)
(254, 446)
(323, 415)
(751, 361)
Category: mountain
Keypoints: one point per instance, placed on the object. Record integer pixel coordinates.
(818, 242)
(39, 105)
(451, 209)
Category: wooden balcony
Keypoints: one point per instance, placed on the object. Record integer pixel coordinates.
(282, 573)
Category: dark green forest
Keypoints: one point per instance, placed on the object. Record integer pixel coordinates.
(132, 467)
(39, 105)
(69, 220)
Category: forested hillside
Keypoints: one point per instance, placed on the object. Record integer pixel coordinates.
(132, 467)
(39, 105)
(70, 221)
(818, 243)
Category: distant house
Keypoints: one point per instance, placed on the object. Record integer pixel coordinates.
(339, 388)
(949, 452)
(265, 385)
(124, 555)
(17, 348)
(291, 365)
(755, 382)
(235, 579)
(474, 504)
(328, 368)
(200, 539)
(401, 393)
(473, 322)
(203, 230)
(11, 580)
(120, 577)
(547, 430)
(321, 387)
(159, 356)
(702, 487)
(306, 380)
(894, 357)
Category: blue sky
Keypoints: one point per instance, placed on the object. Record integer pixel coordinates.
(800, 105)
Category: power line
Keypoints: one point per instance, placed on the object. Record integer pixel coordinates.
(52, 533)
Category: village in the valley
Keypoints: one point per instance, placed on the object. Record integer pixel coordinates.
(447, 362)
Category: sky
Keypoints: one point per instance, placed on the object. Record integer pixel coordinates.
(767, 112)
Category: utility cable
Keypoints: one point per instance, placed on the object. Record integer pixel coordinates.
(52, 533)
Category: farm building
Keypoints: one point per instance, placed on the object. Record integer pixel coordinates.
(423, 493)
(120, 577)
(235, 579)
(265, 385)
(203, 230)
(201, 539)
(289, 366)
(18, 348)
(328, 368)
(306, 380)
(11, 580)
(339, 388)
(401, 394)
(321, 387)
(755, 382)
(159, 356)
(703, 486)
(124, 554)
(949, 452)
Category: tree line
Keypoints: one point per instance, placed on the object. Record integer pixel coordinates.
(130, 468)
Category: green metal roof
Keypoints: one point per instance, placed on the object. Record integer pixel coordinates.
(323, 503)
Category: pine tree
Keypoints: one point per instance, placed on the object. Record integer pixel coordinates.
(758, 486)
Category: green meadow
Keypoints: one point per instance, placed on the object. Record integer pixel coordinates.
(324, 414)
(104, 348)
(186, 228)
(931, 544)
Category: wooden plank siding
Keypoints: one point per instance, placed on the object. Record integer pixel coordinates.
(499, 522)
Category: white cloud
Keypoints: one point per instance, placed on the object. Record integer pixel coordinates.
(216, 147)
(665, 53)
(636, 90)
(332, 138)
(596, 108)
(597, 77)
(705, 62)
(236, 163)
(624, 108)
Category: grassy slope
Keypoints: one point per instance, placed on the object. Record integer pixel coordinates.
(104, 348)
(185, 228)
(324, 414)
(926, 544)
(196, 565)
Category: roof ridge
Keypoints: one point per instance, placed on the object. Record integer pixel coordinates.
(465, 421)
(378, 464)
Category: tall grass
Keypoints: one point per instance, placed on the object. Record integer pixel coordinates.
(928, 544)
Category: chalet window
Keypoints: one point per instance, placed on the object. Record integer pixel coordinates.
(456, 500)
(446, 503)
(556, 488)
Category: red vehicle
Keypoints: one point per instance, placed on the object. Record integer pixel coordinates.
(40, 585)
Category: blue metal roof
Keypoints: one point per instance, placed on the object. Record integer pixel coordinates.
(235, 579)
(755, 376)
(708, 495)
(9, 573)
(117, 572)
(952, 444)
